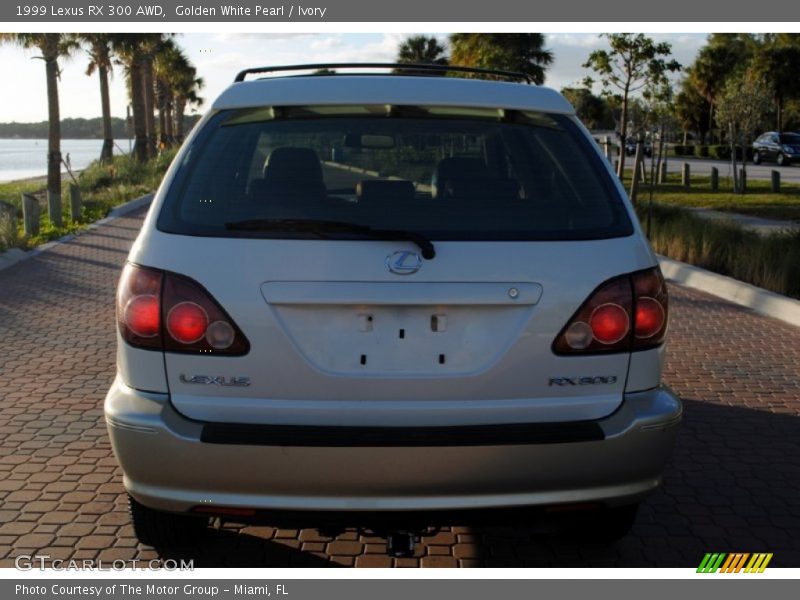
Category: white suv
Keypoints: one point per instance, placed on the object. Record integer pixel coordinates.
(388, 293)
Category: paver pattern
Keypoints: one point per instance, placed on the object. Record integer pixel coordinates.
(732, 485)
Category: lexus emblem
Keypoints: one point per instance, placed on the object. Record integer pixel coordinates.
(403, 262)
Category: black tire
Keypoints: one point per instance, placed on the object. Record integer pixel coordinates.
(163, 529)
(605, 525)
(756, 158)
(781, 159)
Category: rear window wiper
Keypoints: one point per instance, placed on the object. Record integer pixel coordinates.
(322, 227)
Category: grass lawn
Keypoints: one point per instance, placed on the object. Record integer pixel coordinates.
(759, 201)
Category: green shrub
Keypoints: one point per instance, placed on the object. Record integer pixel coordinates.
(771, 262)
(681, 150)
(8, 231)
(723, 152)
(701, 151)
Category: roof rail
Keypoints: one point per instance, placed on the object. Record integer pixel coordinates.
(512, 75)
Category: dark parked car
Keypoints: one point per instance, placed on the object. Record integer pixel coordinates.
(783, 148)
(630, 147)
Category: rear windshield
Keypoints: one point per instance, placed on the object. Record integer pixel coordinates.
(446, 173)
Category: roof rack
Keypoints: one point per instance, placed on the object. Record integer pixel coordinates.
(512, 75)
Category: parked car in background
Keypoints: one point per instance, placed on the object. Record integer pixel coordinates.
(630, 147)
(781, 148)
(389, 293)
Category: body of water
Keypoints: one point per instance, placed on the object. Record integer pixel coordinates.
(21, 159)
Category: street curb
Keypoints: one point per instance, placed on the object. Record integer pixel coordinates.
(15, 255)
(761, 301)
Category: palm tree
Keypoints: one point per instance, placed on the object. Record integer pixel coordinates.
(520, 52)
(100, 60)
(52, 46)
(420, 49)
(168, 65)
(128, 48)
(150, 46)
(186, 89)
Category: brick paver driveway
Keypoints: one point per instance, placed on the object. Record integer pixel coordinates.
(733, 484)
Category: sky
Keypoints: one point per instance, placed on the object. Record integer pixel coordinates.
(219, 56)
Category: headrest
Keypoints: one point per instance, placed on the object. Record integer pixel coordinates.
(293, 163)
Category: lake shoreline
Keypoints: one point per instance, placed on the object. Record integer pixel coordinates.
(25, 160)
(39, 179)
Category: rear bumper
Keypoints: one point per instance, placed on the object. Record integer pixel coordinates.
(172, 463)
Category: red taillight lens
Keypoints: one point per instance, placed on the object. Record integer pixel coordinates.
(649, 317)
(164, 311)
(187, 322)
(624, 314)
(139, 306)
(143, 316)
(652, 309)
(609, 323)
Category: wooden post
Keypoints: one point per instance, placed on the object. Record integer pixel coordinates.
(607, 148)
(686, 179)
(662, 173)
(776, 182)
(8, 219)
(714, 179)
(616, 166)
(75, 202)
(30, 214)
(54, 208)
(742, 181)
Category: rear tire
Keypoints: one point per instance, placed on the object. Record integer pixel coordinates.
(163, 529)
(781, 159)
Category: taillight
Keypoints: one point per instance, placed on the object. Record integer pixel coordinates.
(139, 306)
(624, 314)
(651, 305)
(163, 311)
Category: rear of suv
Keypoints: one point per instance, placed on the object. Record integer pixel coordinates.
(388, 293)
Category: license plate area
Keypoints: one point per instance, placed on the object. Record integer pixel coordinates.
(402, 340)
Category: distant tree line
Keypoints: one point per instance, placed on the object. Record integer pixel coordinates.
(78, 129)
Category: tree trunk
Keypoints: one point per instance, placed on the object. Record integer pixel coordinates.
(623, 132)
(50, 54)
(107, 153)
(779, 113)
(162, 124)
(711, 122)
(180, 107)
(743, 179)
(169, 120)
(150, 101)
(140, 145)
(733, 158)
